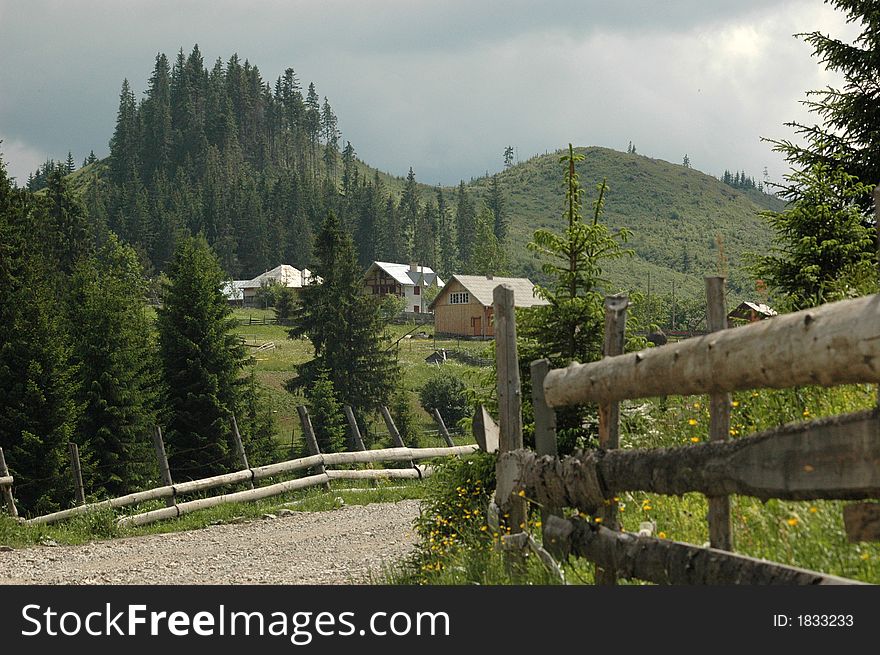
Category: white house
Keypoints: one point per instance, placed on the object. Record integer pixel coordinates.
(405, 281)
(245, 291)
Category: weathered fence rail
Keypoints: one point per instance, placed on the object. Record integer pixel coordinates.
(833, 458)
(261, 472)
(837, 343)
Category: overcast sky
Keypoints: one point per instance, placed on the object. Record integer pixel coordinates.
(445, 86)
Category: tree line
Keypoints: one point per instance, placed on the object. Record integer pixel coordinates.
(255, 168)
(82, 360)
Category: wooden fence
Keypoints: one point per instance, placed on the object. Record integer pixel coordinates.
(319, 462)
(833, 458)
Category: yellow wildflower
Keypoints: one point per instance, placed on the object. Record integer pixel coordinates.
(865, 556)
(695, 439)
(692, 421)
(792, 521)
(662, 535)
(813, 510)
(735, 403)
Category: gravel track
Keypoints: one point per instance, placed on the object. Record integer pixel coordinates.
(341, 546)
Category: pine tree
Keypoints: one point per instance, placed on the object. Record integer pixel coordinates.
(508, 157)
(823, 250)
(849, 134)
(489, 256)
(202, 361)
(465, 225)
(156, 110)
(70, 165)
(498, 206)
(823, 242)
(344, 326)
(326, 414)
(124, 144)
(37, 409)
(447, 262)
(570, 327)
(116, 368)
(66, 231)
(409, 216)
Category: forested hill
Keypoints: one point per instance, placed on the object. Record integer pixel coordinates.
(255, 166)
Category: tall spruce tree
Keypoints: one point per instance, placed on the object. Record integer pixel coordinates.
(447, 256)
(824, 243)
(570, 327)
(465, 225)
(202, 361)
(37, 409)
(498, 206)
(849, 134)
(409, 217)
(345, 327)
(124, 143)
(117, 374)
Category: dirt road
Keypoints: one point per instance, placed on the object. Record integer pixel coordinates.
(346, 545)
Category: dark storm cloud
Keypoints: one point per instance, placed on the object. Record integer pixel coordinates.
(442, 86)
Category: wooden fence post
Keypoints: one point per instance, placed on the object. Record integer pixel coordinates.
(357, 442)
(719, 417)
(443, 431)
(396, 439)
(7, 490)
(164, 469)
(311, 441)
(545, 435)
(77, 473)
(509, 391)
(609, 413)
(239, 450)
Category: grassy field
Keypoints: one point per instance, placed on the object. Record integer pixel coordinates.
(275, 366)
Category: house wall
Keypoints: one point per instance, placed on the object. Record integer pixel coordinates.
(468, 320)
(379, 283)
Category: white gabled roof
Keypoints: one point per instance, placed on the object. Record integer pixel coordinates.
(402, 274)
(482, 288)
(284, 274)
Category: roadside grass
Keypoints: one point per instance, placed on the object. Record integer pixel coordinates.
(455, 549)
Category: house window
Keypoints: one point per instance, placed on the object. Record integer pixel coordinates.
(416, 309)
(417, 290)
(459, 298)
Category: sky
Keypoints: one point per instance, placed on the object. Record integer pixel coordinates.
(443, 87)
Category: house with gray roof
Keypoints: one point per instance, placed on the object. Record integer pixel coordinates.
(407, 281)
(464, 305)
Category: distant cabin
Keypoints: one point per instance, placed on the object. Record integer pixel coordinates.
(407, 281)
(244, 292)
(750, 312)
(464, 306)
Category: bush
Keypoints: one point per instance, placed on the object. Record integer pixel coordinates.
(405, 419)
(448, 394)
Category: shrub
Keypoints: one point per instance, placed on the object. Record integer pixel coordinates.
(447, 393)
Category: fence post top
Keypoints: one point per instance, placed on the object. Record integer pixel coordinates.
(502, 293)
(617, 301)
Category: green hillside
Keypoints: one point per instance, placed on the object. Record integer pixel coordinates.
(674, 213)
